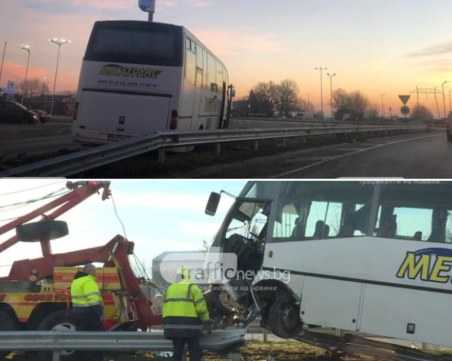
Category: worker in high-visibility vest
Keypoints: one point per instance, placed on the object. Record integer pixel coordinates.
(184, 312)
(87, 305)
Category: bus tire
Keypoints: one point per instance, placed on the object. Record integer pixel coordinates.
(60, 321)
(284, 317)
(7, 323)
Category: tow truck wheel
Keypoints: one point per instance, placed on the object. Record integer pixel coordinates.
(7, 323)
(283, 318)
(59, 321)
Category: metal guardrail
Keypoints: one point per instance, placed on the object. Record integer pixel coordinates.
(56, 342)
(92, 158)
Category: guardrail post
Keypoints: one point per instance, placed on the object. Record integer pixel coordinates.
(255, 145)
(218, 148)
(56, 356)
(161, 155)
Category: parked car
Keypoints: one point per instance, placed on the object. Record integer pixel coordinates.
(43, 116)
(13, 112)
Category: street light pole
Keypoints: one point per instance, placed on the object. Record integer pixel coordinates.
(450, 103)
(444, 98)
(331, 92)
(58, 42)
(321, 87)
(3, 60)
(26, 47)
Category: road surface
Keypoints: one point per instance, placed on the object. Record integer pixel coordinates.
(425, 155)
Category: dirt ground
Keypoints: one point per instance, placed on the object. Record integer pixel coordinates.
(21, 131)
(252, 351)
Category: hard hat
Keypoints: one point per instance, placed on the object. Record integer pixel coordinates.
(184, 272)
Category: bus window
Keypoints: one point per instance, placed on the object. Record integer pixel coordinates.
(190, 61)
(245, 235)
(199, 57)
(134, 46)
(309, 210)
(405, 213)
(211, 73)
(329, 213)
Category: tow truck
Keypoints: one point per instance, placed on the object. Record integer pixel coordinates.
(35, 294)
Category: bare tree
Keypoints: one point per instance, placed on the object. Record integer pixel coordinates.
(287, 99)
(421, 112)
(350, 105)
(261, 99)
(33, 87)
(268, 97)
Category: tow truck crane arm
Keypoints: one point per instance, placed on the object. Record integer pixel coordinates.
(79, 191)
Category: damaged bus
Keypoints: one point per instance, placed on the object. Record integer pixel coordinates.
(367, 257)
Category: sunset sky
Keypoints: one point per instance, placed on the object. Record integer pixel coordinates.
(381, 47)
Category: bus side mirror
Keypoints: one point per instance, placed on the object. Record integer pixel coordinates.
(212, 203)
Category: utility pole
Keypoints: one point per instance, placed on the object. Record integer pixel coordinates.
(382, 106)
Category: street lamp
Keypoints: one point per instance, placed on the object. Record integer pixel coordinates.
(26, 47)
(331, 76)
(444, 98)
(321, 87)
(58, 42)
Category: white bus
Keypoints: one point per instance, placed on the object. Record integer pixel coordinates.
(366, 257)
(139, 78)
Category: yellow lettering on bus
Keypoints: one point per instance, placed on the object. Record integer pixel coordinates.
(442, 264)
(411, 267)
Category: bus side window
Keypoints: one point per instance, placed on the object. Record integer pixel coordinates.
(439, 220)
(322, 230)
(355, 221)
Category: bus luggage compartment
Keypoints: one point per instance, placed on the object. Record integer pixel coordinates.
(108, 116)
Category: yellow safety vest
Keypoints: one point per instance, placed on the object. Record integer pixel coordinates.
(184, 308)
(85, 292)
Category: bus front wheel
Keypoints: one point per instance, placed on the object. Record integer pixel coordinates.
(284, 318)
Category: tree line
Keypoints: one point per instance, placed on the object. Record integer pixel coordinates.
(269, 99)
(36, 87)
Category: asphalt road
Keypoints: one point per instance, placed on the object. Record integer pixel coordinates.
(419, 156)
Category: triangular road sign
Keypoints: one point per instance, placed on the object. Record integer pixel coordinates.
(404, 98)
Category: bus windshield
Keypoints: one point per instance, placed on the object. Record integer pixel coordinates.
(135, 46)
